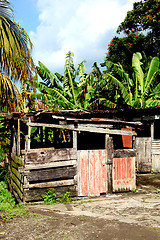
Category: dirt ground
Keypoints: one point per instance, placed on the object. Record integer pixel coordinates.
(120, 216)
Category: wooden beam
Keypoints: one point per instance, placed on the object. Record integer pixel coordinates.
(84, 129)
(51, 184)
(49, 165)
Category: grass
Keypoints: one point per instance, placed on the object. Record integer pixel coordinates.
(51, 197)
(8, 206)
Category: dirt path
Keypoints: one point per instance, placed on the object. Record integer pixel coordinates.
(126, 216)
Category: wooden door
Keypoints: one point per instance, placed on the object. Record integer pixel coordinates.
(156, 155)
(143, 160)
(123, 174)
(92, 172)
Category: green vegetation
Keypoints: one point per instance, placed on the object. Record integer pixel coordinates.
(141, 33)
(8, 207)
(158, 192)
(73, 90)
(140, 91)
(16, 62)
(51, 197)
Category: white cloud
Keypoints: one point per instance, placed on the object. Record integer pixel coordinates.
(82, 26)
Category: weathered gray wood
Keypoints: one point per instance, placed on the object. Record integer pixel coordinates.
(109, 148)
(85, 129)
(28, 142)
(36, 194)
(49, 165)
(52, 174)
(52, 184)
(143, 159)
(14, 142)
(23, 152)
(155, 155)
(152, 130)
(48, 156)
(122, 153)
(75, 140)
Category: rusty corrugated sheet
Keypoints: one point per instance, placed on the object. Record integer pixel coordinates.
(124, 174)
(127, 140)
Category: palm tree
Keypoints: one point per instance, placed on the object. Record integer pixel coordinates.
(143, 89)
(15, 56)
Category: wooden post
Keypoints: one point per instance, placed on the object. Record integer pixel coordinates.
(14, 141)
(28, 143)
(152, 130)
(109, 148)
(75, 140)
(18, 139)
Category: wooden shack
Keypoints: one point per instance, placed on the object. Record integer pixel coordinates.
(75, 151)
(148, 137)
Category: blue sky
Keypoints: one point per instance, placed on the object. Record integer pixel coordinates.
(84, 27)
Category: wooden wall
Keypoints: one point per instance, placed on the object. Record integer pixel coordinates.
(44, 169)
(16, 179)
(156, 155)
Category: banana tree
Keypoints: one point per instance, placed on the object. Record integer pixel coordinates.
(75, 89)
(61, 90)
(140, 91)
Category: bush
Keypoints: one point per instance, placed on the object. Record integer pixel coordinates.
(51, 197)
(8, 207)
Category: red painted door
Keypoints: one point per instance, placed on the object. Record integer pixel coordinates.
(123, 175)
(92, 172)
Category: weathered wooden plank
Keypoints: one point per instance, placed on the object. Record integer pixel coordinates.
(143, 148)
(13, 164)
(51, 184)
(49, 165)
(36, 194)
(109, 148)
(23, 152)
(41, 157)
(156, 162)
(52, 174)
(122, 153)
(85, 129)
(75, 140)
(16, 188)
(17, 181)
(17, 160)
(17, 174)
